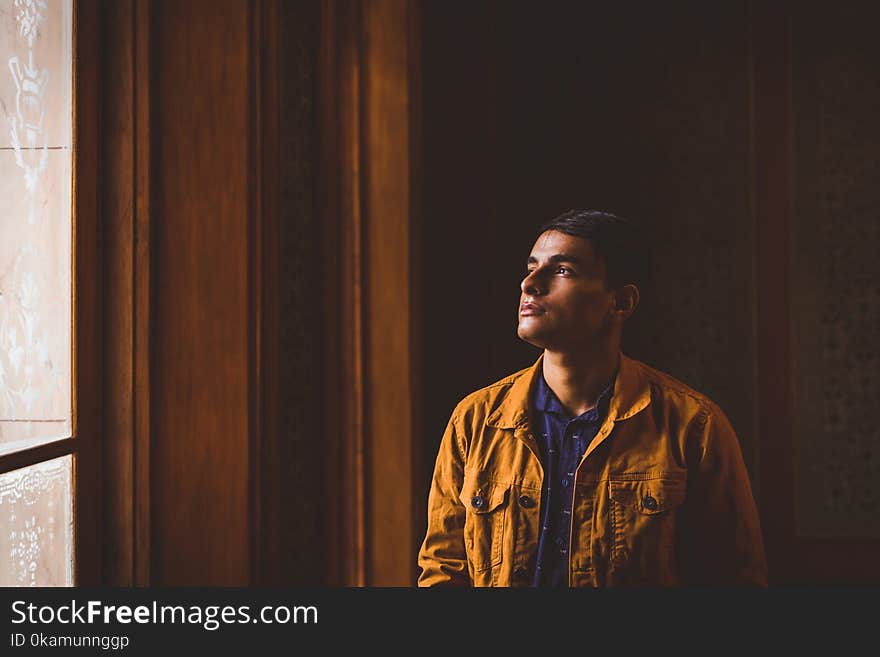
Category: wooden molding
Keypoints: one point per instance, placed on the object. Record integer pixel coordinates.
(367, 96)
(339, 207)
(388, 294)
(266, 468)
(143, 288)
(125, 202)
(87, 334)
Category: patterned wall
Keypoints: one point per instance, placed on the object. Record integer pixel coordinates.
(836, 272)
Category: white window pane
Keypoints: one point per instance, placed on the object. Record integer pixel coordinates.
(36, 531)
(35, 222)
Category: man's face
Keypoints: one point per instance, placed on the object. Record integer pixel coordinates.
(564, 304)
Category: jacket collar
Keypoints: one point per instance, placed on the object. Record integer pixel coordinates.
(631, 394)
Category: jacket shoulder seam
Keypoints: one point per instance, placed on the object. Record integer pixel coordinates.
(506, 382)
(680, 387)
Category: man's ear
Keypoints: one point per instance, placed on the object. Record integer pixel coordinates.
(626, 299)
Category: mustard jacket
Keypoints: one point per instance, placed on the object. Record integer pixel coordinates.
(661, 496)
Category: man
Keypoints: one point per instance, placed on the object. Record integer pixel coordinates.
(589, 468)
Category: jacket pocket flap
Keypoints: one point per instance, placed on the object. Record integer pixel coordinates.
(649, 496)
(483, 498)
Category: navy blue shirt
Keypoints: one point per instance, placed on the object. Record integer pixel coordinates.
(563, 441)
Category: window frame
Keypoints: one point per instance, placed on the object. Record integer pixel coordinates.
(82, 445)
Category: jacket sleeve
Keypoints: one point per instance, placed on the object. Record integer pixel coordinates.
(723, 544)
(442, 557)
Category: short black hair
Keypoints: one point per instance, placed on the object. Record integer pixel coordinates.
(618, 241)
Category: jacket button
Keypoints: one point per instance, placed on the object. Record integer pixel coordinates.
(526, 502)
(478, 501)
(649, 503)
(520, 573)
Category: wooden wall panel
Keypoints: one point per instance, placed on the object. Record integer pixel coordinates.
(212, 294)
(201, 354)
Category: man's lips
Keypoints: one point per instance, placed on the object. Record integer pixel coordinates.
(528, 308)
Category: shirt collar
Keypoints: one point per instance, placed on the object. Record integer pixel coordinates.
(546, 401)
(632, 394)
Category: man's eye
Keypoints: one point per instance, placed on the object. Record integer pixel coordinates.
(563, 270)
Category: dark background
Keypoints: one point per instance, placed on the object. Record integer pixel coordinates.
(583, 105)
(677, 115)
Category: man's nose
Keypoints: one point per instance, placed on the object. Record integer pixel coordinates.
(531, 284)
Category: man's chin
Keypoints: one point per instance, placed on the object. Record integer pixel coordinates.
(532, 337)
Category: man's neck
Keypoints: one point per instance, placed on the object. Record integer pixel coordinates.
(577, 380)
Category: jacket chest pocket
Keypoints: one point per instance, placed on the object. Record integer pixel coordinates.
(486, 506)
(643, 519)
